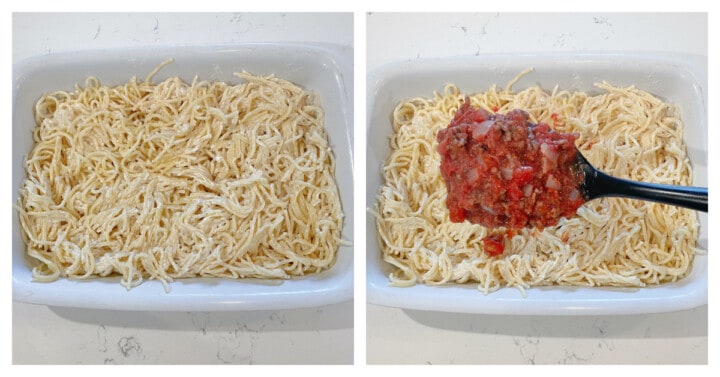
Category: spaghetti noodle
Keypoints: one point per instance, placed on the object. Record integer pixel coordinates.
(625, 132)
(173, 180)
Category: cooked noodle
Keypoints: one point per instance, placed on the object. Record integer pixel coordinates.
(173, 181)
(625, 132)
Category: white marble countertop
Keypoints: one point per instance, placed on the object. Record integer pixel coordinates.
(396, 336)
(55, 335)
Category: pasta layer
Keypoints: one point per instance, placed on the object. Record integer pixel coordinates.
(180, 180)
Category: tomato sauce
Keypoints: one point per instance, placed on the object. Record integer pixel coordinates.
(501, 170)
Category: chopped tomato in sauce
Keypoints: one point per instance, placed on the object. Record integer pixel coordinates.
(493, 245)
(555, 119)
(501, 170)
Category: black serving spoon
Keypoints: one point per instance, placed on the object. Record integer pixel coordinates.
(598, 184)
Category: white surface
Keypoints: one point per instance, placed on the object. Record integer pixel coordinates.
(55, 335)
(674, 78)
(422, 337)
(43, 334)
(398, 336)
(311, 67)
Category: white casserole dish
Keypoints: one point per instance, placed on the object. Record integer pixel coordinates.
(319, 68)
(678, 79)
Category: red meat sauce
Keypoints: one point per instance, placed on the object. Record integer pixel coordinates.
(502, 171)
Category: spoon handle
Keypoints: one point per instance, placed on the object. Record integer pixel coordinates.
(684, 196)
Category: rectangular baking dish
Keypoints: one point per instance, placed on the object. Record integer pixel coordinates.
(318, 68)
(678, 79)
